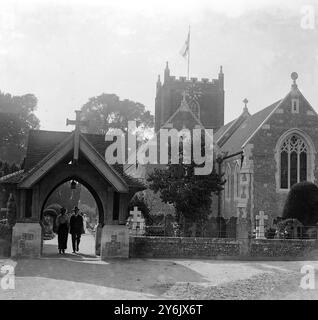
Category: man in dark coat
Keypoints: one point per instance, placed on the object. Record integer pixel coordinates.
(76, 229)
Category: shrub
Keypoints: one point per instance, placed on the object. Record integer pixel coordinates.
(5, 232)
(155, 231)
(302, 203)
(270, 233)
(288, 229)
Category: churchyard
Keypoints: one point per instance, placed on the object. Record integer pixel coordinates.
(200, 193)
(84, 276)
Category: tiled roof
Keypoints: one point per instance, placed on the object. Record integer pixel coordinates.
(245, 130)
(14, 177)
(184, 117)
(41, 143)
(222, 130)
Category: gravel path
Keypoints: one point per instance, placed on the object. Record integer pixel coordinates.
(84, 276)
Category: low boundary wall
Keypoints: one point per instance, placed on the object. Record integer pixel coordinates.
(170, 247)
(213, 248)
(220, 248)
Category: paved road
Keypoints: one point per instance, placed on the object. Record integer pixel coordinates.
(84, 276)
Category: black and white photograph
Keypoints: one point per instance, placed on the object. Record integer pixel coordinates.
(158, 150)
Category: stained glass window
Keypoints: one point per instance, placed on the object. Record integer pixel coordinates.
(228, 182)
(237, 180)
(293, 161)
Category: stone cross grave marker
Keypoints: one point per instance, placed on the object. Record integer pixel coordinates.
(260, 230)
(138, 222)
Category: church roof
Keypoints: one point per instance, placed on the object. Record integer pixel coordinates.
(233, 137)
(222, 130)
(14, 177)
(246, 129)
(183, 117)
(41, 143)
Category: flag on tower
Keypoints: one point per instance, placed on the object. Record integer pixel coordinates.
(186, 47)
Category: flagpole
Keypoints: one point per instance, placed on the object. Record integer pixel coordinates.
(189, 56)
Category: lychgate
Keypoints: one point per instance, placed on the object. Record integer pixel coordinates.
(53, 158)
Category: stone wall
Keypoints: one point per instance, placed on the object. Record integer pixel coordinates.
(287, 249)
(170, 247)
(213, 248)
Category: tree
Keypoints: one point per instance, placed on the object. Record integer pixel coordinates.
(190, 194)
(108, 111)
(16, 119)
(91, 213)
(65, 196)
(302, 203)
(5, 169)
(289, 229)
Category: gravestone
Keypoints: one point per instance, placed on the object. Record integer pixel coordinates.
(260, 229)
(115, 242)
(3, 213)
(136, 224)
(98, 238)
(26, 240)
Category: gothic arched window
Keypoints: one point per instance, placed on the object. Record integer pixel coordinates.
(228, 182)
(237, 180)
(293, 161)
(195, 108)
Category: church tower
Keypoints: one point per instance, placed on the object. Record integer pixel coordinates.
(205, 98)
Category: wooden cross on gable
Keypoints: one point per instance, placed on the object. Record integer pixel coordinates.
(78, 123)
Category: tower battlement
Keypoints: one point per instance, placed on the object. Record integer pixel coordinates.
(194, 80)
(211, 101)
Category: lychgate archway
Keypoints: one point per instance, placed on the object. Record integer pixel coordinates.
(91, 190)
(81, 195)
(55, 157)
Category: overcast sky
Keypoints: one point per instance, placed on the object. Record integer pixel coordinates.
(67, 51)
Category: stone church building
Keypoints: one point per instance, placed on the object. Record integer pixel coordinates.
(264, 154)
(261, 155)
